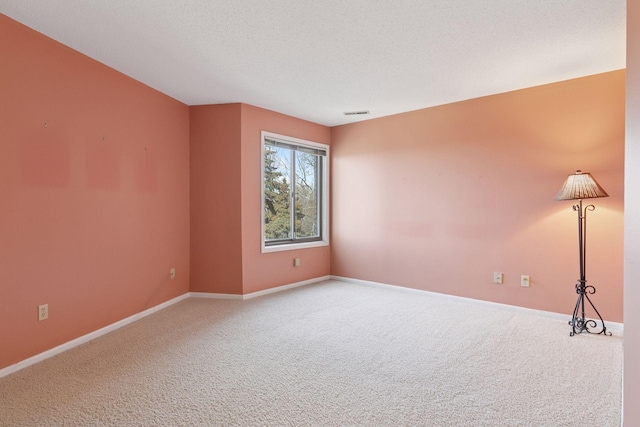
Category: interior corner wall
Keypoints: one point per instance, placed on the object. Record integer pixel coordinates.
(440, 198)
(632, 222)
(216, 233)
(268, 270)
(94, 190)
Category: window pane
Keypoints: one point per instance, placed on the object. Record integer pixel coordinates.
(277, 193)
(307, 206)
(294, 197)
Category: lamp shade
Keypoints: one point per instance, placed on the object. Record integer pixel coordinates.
(580, 185)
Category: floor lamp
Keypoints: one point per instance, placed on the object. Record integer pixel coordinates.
(578, 186)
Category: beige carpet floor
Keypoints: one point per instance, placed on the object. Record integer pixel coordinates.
(329, 354)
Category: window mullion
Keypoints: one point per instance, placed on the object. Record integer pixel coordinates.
(292, 209)
(319, 190)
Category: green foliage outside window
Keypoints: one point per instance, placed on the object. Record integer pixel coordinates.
(277, 197)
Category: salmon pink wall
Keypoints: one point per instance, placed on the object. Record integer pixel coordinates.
(439, 199)
(216, 234)
(632, 222)
(262, 271)
(94, 191)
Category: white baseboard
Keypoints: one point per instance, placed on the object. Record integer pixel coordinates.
(214, 295)
(259, 293)
(88, 337)
(117, 325)
(614, 326)
(619, 327)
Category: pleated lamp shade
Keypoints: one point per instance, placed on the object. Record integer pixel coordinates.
(580, 185)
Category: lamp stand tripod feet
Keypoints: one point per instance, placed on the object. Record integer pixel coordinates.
(579, 323)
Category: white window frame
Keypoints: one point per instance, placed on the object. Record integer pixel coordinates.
(324, 211)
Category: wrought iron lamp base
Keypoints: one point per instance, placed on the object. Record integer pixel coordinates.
(579, 323)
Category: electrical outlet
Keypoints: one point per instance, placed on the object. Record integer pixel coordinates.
(498, 278)
(524, 281)
(43, 312)
(296, 262)
(172, 273)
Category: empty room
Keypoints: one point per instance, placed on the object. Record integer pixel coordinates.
(238, 213)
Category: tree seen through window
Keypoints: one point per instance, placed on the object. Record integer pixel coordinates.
(291, 193)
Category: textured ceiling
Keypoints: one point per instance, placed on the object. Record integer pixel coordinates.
(317, 59)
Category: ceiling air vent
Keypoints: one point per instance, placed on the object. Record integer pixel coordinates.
(355, 113)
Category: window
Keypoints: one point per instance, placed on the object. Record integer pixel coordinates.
(294, 193)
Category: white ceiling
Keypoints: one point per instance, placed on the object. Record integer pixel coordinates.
(317, 59)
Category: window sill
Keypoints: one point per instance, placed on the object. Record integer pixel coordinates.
(293, 246)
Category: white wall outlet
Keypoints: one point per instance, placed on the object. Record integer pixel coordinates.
(172, 273)
(43, 312)
(296, 262)
(498, 278)
(524, 281)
